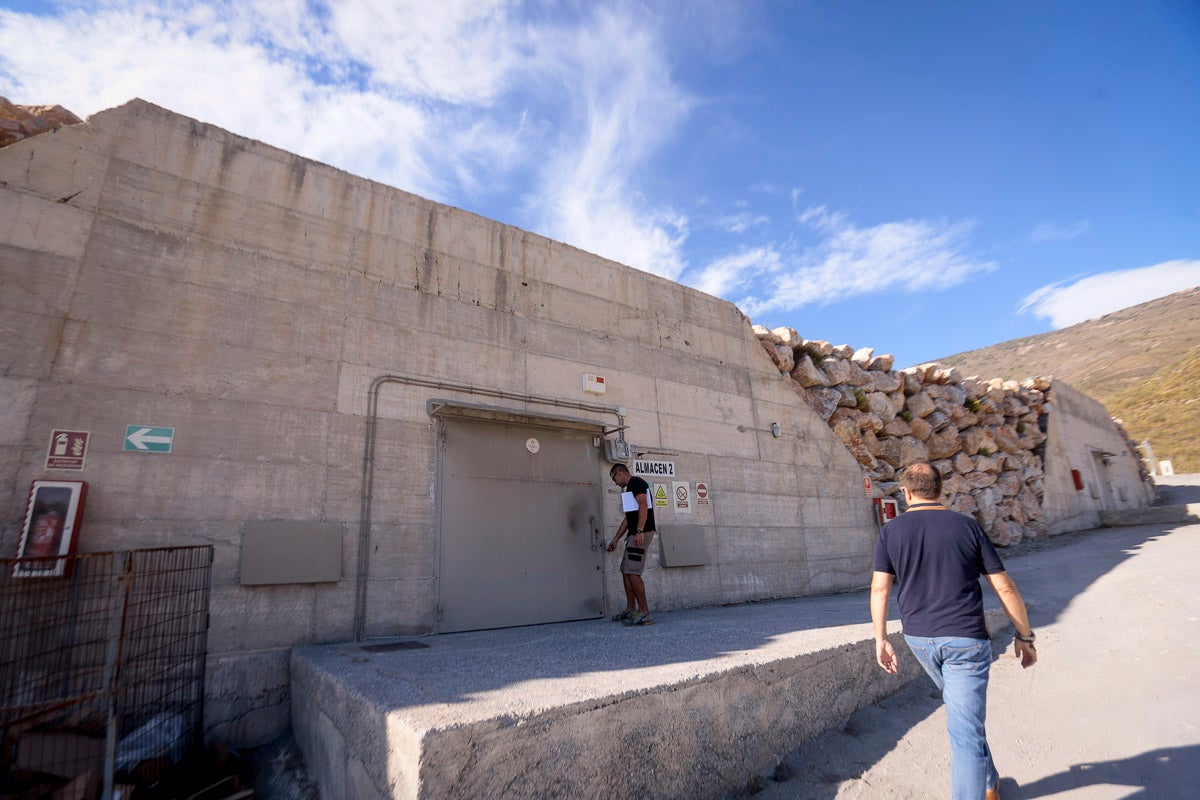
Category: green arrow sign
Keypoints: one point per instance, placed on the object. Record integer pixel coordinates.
(145, 439)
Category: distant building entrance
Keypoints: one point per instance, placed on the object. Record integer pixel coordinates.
(519, 525)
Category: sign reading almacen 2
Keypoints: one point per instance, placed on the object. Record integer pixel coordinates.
(659, 469)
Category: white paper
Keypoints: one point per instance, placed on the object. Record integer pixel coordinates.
(628, 502)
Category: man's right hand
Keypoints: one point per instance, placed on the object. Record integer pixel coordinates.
(612, 545)
(885, 656)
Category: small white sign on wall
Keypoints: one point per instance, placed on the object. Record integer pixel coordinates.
(683, 497)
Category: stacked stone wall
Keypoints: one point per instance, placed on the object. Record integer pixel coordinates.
(985, 436)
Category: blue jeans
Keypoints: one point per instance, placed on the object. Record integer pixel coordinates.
(959, 666)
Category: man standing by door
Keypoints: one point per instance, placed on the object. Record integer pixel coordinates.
(638, 528)
(936, 556)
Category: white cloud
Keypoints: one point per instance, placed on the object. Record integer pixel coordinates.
(474, 97)
(459, 52)
(849, 261)
(1066, 303)
(1057, 232)
(217, 62)
(723, 276)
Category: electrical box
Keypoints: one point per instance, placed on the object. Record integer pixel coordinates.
(617, 450)
(593, 384)
(885, 509)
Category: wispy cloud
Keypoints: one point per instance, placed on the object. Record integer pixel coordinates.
(741, 222)
(727, 275)
(848, 261)
(624, 106)
(1057, 232)
(1068, 303)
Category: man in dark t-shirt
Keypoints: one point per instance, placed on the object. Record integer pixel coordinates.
(637, 525)
(936, 556)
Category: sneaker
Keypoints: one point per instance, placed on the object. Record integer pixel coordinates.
(638, 618)
(621, 616)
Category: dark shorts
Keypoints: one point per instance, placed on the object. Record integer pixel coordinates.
(634, 560)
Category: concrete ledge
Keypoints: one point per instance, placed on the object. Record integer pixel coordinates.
(1152, 515)
(688, 708)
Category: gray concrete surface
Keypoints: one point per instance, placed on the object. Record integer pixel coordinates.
(1108, 712)
(687, 708)
(1177, 490)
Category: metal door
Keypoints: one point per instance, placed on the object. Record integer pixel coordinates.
(1103, 483)
(519, 516)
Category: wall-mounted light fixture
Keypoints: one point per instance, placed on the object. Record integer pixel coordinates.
(776, 429)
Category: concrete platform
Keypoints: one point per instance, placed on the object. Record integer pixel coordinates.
(689, 707)
(1188, 514)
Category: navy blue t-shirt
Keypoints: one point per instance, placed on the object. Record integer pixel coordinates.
(937, 557)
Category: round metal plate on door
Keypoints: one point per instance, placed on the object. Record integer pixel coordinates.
(532, 444)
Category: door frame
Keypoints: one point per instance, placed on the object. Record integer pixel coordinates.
(441, 410)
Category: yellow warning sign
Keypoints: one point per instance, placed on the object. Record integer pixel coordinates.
(660, 496)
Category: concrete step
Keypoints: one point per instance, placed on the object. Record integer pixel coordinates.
(689, 707)
(1188, 514)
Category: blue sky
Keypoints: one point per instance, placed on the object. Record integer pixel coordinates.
(922, 178)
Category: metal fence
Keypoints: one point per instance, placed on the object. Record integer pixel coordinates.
(101, 671)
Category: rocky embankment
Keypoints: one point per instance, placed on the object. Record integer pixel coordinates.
(984, 435)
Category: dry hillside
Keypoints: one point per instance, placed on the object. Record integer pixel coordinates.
(1142, 362)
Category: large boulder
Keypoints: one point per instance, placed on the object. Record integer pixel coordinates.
(883, 362)
(862, 356)
(784, 357)
(788, 337)
(912, 449)
(977, 440)
(884, 381)
(920, 404)
(838, 370)
(881, 406)
(817, 348)
(805, 372)
(822, 400)
(944, 444)
(920, 428)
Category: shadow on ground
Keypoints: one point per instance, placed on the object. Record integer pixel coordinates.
(1166, 772)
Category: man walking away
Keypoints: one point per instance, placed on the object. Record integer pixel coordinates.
(935, 556)
(638, 527)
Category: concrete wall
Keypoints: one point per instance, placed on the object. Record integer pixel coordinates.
(160, 271)
(1082, 436)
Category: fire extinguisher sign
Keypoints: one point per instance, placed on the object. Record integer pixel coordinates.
(67, 449)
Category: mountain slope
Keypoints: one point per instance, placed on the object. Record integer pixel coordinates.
(1142, 362)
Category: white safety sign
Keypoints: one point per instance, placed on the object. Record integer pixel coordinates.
(683, 497)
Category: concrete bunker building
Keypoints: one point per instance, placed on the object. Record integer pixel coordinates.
(386, 414)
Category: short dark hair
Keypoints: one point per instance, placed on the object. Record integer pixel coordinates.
(923, 480)
(613, 469)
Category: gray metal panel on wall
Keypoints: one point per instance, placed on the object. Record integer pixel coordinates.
(682, 546)
(519, 516)
(277, 552)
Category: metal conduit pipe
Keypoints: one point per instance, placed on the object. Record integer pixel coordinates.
(368, 465)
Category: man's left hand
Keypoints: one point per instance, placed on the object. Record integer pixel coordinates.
(1026, 652)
